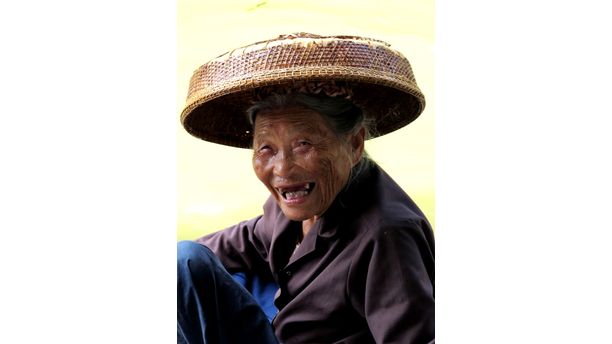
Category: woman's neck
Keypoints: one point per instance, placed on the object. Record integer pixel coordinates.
(307, 225)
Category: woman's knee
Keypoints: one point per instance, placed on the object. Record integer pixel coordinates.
(191, 250)
(193, 256)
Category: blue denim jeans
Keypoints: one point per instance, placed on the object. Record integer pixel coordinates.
(214, 307)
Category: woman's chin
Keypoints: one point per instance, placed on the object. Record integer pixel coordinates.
(296, 216)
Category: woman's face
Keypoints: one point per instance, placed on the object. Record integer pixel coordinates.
(301, 161)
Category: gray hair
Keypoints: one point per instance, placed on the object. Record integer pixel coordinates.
(342, 115)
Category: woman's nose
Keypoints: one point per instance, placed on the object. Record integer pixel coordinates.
(283, 164)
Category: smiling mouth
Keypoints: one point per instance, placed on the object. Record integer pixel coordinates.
(295, 192)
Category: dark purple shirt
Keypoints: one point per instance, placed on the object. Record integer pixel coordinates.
(364, 273)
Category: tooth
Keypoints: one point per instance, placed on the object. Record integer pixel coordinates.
(296, 194)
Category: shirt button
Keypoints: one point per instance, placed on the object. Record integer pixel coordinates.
(288, 273)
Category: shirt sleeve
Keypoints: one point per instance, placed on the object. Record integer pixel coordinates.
(391, 283)
(241, 247)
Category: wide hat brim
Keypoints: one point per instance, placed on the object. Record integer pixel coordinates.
(220, 91)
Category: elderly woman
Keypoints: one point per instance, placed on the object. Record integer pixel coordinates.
(347, 253)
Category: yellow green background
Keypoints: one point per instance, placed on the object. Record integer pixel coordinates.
(216, 186)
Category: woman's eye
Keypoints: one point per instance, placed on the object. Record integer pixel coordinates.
(302, 146)
(264, 149)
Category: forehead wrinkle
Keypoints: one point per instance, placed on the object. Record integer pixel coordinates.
(302, 120)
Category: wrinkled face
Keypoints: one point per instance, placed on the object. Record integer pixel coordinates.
(301, 161)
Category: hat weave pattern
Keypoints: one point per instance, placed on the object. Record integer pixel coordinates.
(220, 91)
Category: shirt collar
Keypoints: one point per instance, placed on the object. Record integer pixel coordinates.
(346, 201)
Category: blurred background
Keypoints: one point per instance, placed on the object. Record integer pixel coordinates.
(216, 186)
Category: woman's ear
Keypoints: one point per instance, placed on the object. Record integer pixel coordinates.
(357, 143)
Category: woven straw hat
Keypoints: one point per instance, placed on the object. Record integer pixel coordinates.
(380, 80)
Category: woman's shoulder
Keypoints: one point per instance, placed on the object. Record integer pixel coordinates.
(387, 206)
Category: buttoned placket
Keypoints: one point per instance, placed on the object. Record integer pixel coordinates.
(302, 251)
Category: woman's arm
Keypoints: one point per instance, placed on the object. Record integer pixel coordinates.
(242, 247)
(392, 284)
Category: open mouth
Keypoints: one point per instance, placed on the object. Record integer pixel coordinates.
(297, 191)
